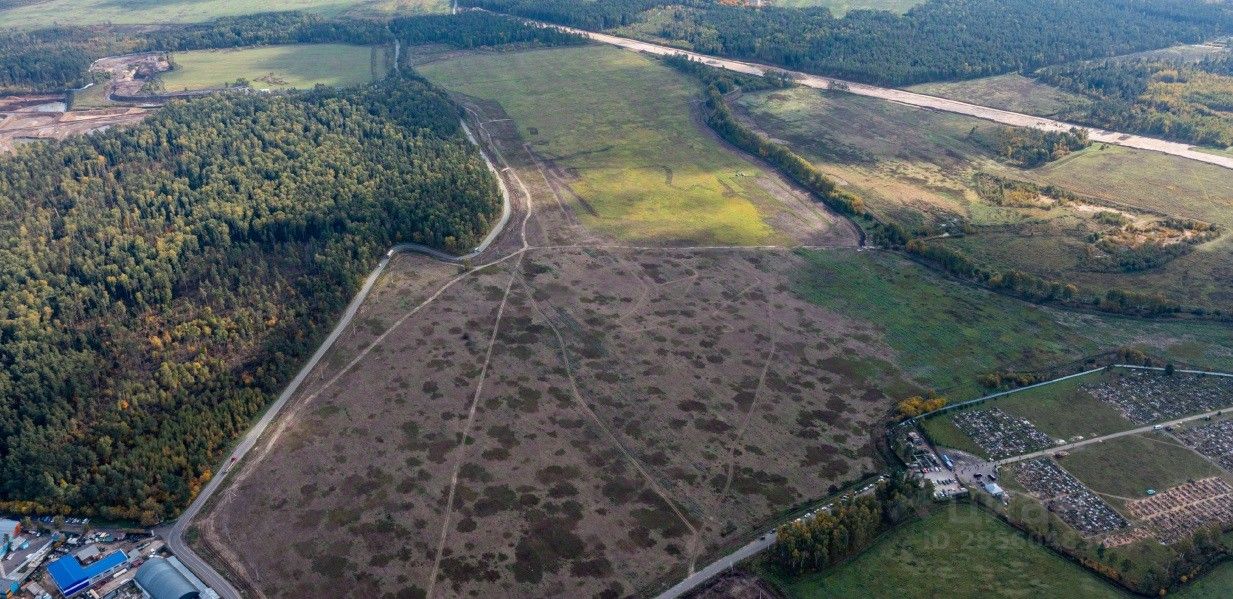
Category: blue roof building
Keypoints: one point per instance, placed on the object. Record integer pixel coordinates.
(72, 577)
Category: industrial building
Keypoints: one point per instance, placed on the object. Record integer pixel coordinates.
(9, 529)
(158, 578)
(71, 577)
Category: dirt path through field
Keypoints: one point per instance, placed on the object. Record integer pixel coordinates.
(547, 219)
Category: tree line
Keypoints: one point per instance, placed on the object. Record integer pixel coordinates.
(162, 282)
(1152, 574)
(59, 58)
(938, 40)
(1183, 101)
(847, 528)
(718, 116)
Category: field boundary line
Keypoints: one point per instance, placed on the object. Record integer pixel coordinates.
(985, 398)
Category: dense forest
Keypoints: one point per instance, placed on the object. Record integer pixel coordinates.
(163, 282)
(941, 39)
(1185, 101)
(54, 59)
(472, 29)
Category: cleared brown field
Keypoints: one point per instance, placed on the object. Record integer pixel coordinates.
(589, 416)
(584, 418)
(639, 408)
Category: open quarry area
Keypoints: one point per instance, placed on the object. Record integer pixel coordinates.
(27, 119)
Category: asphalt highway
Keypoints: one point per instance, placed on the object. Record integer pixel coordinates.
(1005, 117)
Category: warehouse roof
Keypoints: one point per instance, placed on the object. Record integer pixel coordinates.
(71, 576)
(162, 581)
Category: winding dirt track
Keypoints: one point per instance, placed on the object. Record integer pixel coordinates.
(996, 115)
(174, 534)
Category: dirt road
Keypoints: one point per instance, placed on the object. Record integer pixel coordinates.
(174, 534)
(919, 100)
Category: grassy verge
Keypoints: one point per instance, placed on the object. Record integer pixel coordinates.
(1012, 92)
(958, 551)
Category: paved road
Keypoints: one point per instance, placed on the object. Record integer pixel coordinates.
(755, 547)
(1134, 431)
(174, 535)
(1005, 117)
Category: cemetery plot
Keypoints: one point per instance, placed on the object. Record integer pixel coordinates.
(1212, 440)
(1065, 496)
(1178, 513)
(1000, 434)
(1146, 396)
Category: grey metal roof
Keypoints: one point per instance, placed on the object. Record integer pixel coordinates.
(162, 581)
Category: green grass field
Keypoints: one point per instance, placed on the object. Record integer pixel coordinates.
(299, 66)
(94, 96)
(947, 333)
(840, 8)
(959, 551)
(916, 168)
(645, 169)
(943, 432)
(1009, 92)
(33, 14)
(1213, 585)
(1064, 410)
(1126, 467)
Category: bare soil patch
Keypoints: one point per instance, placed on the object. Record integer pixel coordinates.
(581, 418)
(129, 73)
(640, 410)
(32, 118)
